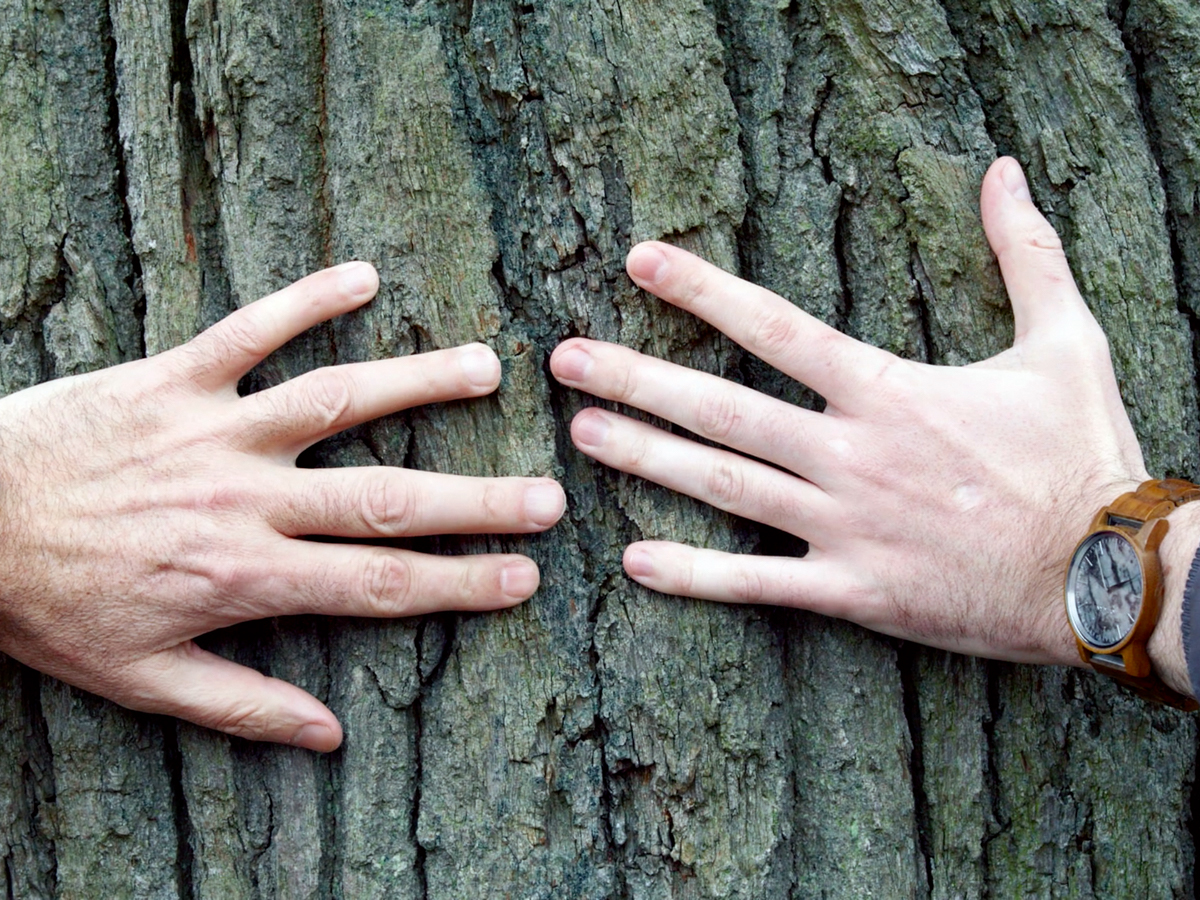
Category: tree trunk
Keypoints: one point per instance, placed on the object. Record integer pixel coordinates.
(495, 160)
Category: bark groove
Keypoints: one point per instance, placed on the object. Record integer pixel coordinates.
(164, 163)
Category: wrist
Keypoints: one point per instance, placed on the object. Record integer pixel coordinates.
(1165, 646)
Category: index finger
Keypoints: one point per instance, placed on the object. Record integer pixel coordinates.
(228, 350)
(767, 325)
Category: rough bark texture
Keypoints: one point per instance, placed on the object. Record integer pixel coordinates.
(162, 163)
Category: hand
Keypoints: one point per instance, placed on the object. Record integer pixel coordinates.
(147, 504)
(939, 504)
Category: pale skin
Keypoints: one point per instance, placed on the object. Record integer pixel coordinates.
(940, 504)
(148, 504)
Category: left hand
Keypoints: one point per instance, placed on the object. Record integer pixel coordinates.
(939, 504)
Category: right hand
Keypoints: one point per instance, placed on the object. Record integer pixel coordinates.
(147, 504)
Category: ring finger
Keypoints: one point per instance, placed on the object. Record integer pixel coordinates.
(311, 578)
(744, 487)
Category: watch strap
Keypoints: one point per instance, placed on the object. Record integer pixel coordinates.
(1151, 687)
(1154, 499)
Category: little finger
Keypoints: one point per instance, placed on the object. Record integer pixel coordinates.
(685, 571)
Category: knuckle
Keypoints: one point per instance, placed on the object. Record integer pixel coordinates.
(774, 332)
(692, 287)
(328, 399)
(624, 381)
(466, 587)
(725, 484)
(636, 453)
(387, 584)
(719, 415)
(495, 501)
(388, 507)
(232, 580)
(746, 585)
(1040, 250)
(1045, 239)
(244, 719)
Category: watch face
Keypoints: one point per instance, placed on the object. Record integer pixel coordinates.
(1104, 589)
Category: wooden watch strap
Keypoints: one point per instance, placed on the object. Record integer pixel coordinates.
(1153, 499)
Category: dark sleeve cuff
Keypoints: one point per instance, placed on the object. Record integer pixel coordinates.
(1191, 633)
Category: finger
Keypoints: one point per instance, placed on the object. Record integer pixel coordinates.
(685, 571)
(764, 323)
(381, 582)
(296, 414)
(228, 350)
(1035, 269)
(383, 502)
(190, 683)
(709, 406)
(722, 479)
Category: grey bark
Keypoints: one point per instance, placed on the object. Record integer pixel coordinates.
(163, 164)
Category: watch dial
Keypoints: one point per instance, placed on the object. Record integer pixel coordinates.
(1104, 589)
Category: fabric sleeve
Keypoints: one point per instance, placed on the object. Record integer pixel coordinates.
(1191, 633)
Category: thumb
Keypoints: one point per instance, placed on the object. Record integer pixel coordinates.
(191, 683)
(1035, 269)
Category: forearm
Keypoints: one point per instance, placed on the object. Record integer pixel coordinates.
(1177, 551)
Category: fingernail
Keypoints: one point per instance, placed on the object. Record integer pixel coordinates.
(1014, 180)
(646, 264)
(313, 737)
(573, 365)
(591, 429)
(519, 579)
(357, 279)
(639, 564)
(544, 503)
(481, 367)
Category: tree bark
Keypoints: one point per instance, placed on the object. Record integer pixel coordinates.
(161, 164)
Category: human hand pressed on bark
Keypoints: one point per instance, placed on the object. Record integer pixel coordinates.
(939, 504)
(147, 504)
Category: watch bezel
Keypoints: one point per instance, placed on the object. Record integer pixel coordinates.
(1074, 566)
(1151, 588)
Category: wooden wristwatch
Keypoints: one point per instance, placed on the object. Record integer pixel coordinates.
(1114, 586)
